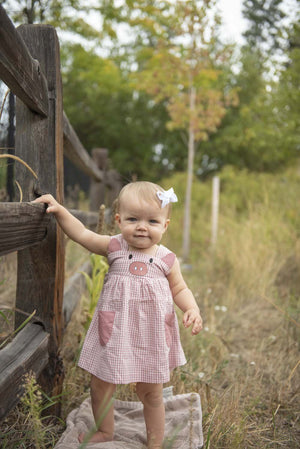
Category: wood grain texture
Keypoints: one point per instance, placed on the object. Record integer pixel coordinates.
(19, 70)
(77, 154)
(21, 225)
(39, 142)
(27, 352)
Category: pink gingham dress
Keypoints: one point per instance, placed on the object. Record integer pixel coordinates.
(134, 334)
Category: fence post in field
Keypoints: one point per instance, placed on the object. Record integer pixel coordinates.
(215, 210)
(115, 186)
(39, 142)
(98, 188)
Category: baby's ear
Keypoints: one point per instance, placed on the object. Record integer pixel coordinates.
(167, 222)
(114, 245)
(169, 259)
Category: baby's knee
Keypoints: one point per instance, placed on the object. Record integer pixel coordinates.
(150, 396)
(100, 387)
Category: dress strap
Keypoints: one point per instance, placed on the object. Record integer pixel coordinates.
(167, 258)
(116, 244)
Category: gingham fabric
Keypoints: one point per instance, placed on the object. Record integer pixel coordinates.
(134, 334)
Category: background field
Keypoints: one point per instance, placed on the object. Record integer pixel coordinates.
(245, 363)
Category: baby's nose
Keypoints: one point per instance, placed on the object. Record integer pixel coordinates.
(141, 225)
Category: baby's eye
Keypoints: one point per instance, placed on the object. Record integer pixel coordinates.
(153, 221)
(132, 219)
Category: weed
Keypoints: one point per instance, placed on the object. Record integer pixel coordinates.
(13, 333)
(94, 284)
(27, 427)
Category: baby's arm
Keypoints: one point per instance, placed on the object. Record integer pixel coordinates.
(184, 299)
(74, 228)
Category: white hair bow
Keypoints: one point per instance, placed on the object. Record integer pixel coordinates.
(167, 196)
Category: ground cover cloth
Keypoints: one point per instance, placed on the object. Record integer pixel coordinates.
(183, 424)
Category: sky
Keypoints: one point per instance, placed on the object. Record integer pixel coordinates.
(232, 27)
(234, 24)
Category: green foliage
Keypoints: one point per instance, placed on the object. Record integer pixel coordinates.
(94, 284)
(63, 15)
(266, 23)
(101, 99)
(262, 133)
(2, 175)
(106, 111)
(183, 63)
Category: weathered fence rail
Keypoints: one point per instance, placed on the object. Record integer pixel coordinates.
(30, 67)
(27, 352)
(19, 70)
(21, 225)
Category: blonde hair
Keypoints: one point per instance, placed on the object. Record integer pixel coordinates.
(143, 190)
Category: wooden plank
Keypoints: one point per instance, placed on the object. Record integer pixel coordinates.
(27, 352)
(89, 219)
(40, 143)
(77, 154)
(19, 71)
(74, 289)
(21, 225)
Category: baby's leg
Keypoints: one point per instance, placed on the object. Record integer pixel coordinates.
(154, 412)
(101, 395)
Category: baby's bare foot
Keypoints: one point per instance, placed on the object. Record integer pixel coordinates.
(97, 437)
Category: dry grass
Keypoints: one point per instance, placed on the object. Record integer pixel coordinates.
(245, 363)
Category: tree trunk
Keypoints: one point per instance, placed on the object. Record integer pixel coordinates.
(188, 193)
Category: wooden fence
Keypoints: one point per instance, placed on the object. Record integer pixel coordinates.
(30, 67)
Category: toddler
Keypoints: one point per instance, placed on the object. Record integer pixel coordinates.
(134, 334)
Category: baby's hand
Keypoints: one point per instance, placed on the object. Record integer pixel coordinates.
(192, 316)
(53, 205)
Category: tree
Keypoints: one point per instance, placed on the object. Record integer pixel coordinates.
(266, 24)
(184, 71)
(63, 15)
(261, 133)
(106, 110)
(287, 95)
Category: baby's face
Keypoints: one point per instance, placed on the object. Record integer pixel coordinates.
(142, 223)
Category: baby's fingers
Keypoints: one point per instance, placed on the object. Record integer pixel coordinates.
(187, 318)
(191, 317)
(197, 326)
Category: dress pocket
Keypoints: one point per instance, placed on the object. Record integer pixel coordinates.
(169, 324)
(105, 325)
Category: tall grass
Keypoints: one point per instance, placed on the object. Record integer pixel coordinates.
(245, 362)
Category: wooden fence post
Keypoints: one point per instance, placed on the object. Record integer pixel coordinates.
(98, 189)
(215, 210)
(39, 142)
(115, 182)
